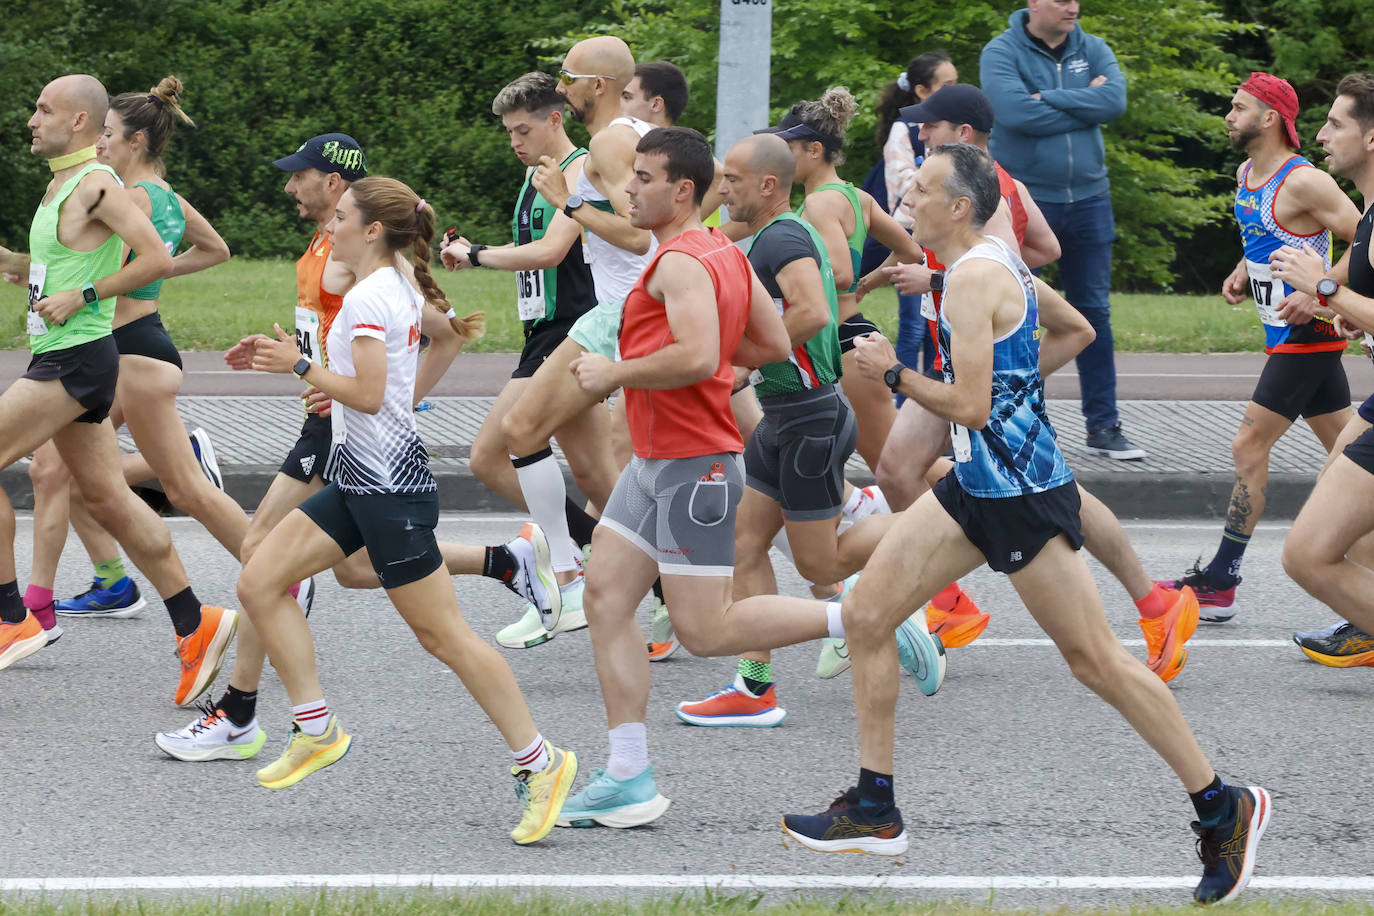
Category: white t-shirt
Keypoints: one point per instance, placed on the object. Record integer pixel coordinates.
(614, 270)
(381, 452)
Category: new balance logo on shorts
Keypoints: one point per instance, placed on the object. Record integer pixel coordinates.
(1016, 556)
(308, 463)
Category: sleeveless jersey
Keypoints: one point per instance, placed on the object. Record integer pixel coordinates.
(696, 419)
(170, 222)
(559, 293)
(315, 306)
(1262, 235)
(817, 361)
(1361, 273)
(1015, 453)
(614, 270)
(55, 268)
(859, 235)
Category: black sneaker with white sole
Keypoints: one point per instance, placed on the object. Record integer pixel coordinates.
(1112, 443)
(205, 457)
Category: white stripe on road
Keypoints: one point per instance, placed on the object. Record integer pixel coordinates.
(670, 882)
(993, 642)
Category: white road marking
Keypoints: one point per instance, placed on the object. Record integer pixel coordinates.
(993, 642)
(671, 882)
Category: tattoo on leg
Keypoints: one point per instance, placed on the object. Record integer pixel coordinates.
(1238, 513)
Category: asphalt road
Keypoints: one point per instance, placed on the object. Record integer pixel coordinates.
(1012, 770)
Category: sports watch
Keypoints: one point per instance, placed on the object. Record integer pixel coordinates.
(302, 367)
(574, 201)
(892, 378)
(937, 281)
(90, 296)
(473, 252)
(1326, 287)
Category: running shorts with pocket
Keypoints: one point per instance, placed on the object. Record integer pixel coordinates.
(798, 452)
(396, 528)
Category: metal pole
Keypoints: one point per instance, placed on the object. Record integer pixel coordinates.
(746, 38)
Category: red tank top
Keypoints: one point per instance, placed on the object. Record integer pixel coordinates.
(695, 420)
(310, 291)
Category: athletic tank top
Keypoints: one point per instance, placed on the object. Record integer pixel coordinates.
(1014, 454)
(316, 307)
(55, 268)
(1262, 235)
(1361, 273)
(817, 361)
(696, 419)
(859, 235)
(170, 222)
(560, 293)
(614, 270)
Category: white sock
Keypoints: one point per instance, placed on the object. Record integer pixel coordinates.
(833, 622)
(541, 482)
(629, 751)
(855, 500)
(880, 506)
(313, 717)
(535, 757)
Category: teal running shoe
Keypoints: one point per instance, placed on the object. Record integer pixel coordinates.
(921, 653)
(611, 802)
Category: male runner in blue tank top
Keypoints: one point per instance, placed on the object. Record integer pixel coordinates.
(1281, 200)
(1011, 502)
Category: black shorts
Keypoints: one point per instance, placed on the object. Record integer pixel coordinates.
(1012, 531)
(147, 337)
(798, 451)
(540, 342)
(307, 457)
(855, 326)
(1361, 451)
(1302, 384)
(396, 528)
(1366, 410)
(88, 372)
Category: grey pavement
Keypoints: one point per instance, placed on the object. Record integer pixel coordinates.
(1183, 409)
(1013, 769)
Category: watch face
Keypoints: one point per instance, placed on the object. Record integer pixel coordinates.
(1327, 287)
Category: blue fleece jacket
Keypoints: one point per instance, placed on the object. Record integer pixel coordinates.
(1054, 143)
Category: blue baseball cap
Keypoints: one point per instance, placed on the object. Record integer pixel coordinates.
(329, 153)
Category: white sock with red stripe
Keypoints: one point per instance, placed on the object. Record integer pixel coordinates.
(312, 718)
(535, 757)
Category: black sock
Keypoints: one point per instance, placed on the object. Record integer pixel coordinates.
(580, 523)
(499, 564)
(12, 608)
(658, 591)
(239, 705)
(1213, 803)
(875, 789)
(184, 609)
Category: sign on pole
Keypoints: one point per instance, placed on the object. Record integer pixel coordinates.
(746, 39)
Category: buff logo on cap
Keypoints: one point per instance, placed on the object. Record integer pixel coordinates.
(338, 153)
(343, 158)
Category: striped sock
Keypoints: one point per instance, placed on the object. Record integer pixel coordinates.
(110, 571)
(312, 718)
(534, 757)
(756, 675)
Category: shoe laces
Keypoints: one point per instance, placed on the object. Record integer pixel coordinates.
(210, 714)
(845, 799)
(1208, 849)
(724, 691)
(522, 786)
(95, 587)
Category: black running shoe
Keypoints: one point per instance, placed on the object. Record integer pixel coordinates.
(1342, 646)
(848, 826)
(1227, 849)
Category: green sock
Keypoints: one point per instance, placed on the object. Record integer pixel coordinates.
(757, 675)
(110, 571)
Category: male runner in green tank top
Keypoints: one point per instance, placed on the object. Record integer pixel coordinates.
(76, 244)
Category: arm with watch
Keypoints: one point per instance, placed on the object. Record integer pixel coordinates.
(1304, 270)
(363, 391)
(544, 253)
(608, 165)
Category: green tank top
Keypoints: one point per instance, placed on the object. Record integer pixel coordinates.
(170, 222)
(561, 293)
(860, 233)
(816, 362)
(55, 268)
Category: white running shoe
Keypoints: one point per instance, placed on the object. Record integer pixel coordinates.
(534, 578)
(528, 631)
(662, 638)
(212, 736)
(305, 594)
(205, 457)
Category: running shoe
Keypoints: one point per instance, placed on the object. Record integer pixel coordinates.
(202, 653)
(47, 619)
(534, 579)
(662, 639)
(119, 600)
(528, 631)
(960, 626)
(609, 802)
(871, 502)
(1165, 636)
(1112, 443)
(921, 653)
(734, 705)
(305, 594)
(833, 659)
(205, 457)
(1347, 646)
(850, 826)
(1215, 603)
(20, 640)
(543, 795)
(1227, 849)
(304, 755)
(1302, 636)
(211, 736)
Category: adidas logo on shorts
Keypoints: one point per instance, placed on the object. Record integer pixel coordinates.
(308, 463)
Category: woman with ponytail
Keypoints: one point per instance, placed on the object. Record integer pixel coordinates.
(382, 496)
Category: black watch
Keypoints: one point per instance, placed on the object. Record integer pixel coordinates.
(1326, 287)
(473, 252)
(574, 201)
(892, 378)
(937, 281)
(302, 367)
(89, 295)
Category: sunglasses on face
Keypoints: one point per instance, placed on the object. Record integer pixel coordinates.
(567, 78)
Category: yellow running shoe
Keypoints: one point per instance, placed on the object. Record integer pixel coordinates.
(543, 794)
(304, 755)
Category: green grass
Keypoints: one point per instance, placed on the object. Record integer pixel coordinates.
(211, 310)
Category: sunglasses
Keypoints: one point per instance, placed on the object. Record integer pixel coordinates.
(567, 78)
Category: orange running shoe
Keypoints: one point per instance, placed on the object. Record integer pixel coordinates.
(20, 640)
(203, 652)
(960, 626)
(1165, 654)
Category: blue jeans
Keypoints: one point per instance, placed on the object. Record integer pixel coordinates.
(1086, 230)
(914, 346)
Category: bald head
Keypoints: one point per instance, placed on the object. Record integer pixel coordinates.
(605, 55)
(758, 174)
(79, 93)
(768, 154)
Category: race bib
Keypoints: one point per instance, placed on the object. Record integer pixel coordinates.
(308, 334)
(958, 436)
(530, 287)
(928, 307)
(37, 274)
(338, 429)
(1267, 293)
